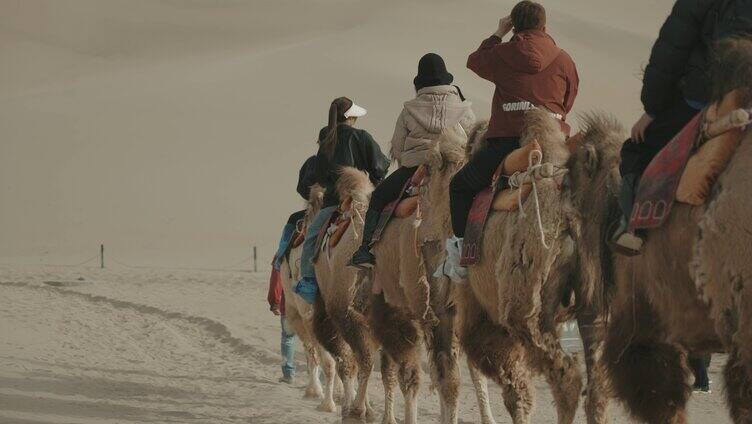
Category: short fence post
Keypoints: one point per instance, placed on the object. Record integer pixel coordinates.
(101, 256)
(255, 263)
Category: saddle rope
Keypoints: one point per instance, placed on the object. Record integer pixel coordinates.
(536, 170)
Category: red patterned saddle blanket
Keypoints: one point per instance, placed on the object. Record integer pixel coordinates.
(404, 206)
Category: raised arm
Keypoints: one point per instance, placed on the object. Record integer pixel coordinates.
(481, 60)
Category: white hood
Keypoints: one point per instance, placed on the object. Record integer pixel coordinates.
(437, 108)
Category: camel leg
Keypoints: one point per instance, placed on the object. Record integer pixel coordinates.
(562, 373)
(330, 338)
(592, 331)
(329, 367)
(355, 330)
(498, 355)
(388, 378)
(648, 374)
(400, 338)
(445, 368)
(481, 392)
(739, 388)
(314, 389)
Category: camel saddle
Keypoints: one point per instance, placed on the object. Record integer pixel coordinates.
(500, 198)
(686, 169)
(405, 205)
(657, 189)
(333, 229)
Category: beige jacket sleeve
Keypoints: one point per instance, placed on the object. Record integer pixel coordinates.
(398, 139)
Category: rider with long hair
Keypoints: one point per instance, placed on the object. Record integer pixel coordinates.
(340, 145)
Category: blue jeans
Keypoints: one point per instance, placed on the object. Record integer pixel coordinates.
(287, 347)
(309, 245)
(283, 243)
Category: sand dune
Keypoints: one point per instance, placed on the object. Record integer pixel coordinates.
(171, 130)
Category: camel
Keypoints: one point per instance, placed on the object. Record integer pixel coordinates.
(339, 322)
(531, 277)
(690, 289)
(411, 307)
(300, 317)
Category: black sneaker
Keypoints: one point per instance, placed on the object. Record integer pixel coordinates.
(363, 258)
(705, 390)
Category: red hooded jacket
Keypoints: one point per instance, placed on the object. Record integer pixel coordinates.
(529, 71)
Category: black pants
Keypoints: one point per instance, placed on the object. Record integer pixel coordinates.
(699, 367)
(390, 188)
(635, 157)
(474, 177)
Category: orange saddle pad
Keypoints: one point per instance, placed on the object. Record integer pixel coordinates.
(708, 162)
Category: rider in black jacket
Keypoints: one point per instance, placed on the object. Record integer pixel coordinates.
(340, 145)
(675, 87)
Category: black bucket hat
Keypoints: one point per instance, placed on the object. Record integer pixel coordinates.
(432, 71)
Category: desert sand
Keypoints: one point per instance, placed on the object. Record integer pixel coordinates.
(119, 345)
(172, 132)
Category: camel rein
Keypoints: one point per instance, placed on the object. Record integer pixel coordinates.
(536, 170)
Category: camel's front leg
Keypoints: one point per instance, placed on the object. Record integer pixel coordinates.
(481, 392)
(329, 366)
(389, 379)
(592, 332)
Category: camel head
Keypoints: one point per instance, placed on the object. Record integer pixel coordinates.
(594, 185)
(540, 126)
(446, 156)
(476, 137)
(354, 186)
(731, 69)
(315, 201)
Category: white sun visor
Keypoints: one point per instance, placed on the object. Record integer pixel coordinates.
(355, 111)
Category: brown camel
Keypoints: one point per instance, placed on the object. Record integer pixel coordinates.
(690, 290)
(339, 321)
(411, 307)
(526, 280)
(300, 317)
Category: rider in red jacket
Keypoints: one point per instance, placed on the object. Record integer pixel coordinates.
(530, 71)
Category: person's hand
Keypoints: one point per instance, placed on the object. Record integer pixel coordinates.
(275, 310)
(505, 26)
(638, 130)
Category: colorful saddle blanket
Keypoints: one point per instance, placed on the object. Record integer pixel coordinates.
(405, 205)
(476, 221)
(657, 188)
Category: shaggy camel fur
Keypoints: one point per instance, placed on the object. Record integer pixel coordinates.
(339, 321)
(414, 307)
(300, 317)
(690, 290)
(520, 291)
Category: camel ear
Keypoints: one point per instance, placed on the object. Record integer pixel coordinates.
(590, 160)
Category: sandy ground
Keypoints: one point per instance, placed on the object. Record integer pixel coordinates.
(84, 345)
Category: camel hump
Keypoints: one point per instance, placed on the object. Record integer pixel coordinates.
(353, 184)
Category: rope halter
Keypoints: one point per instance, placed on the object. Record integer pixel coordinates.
(536, 170)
